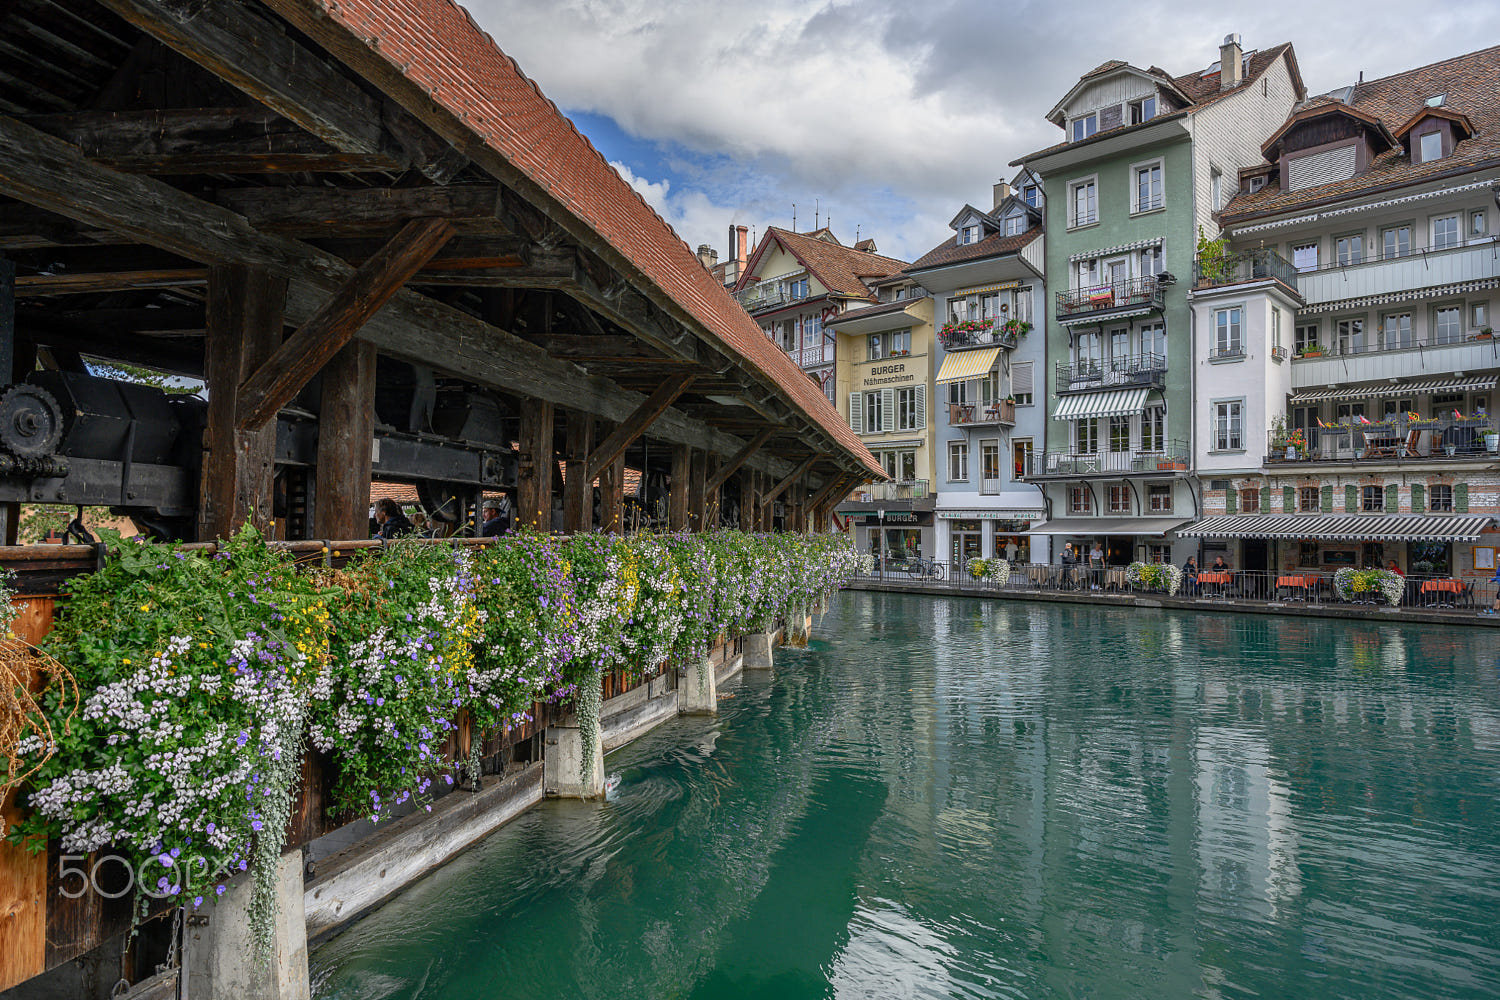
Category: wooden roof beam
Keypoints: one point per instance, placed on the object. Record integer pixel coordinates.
(635, 425)
(722, 473)
(791, 478)
(305, 211)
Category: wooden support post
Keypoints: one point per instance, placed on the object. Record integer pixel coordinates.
(534, 492)
(677, 496)
(713, 500)
(242, 328)
(277, 381)
(346, 434)
(697, 491)
(765, 510)
(612, 497)
(824, 500)
(797, 520)
(748, 505)
(578, 490)
(11, 512)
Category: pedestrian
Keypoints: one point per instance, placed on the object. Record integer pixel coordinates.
(1069, 561)
(393, 523)
(1495, 607)
(1096, 565)
(1190, 573)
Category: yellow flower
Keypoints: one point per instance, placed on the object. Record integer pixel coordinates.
(145, 607)
(126, 662)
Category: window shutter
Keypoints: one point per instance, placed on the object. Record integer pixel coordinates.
(1392, 499)
(1021, 378)
(1418, 498)
(1327, 499)
(887, 410)
(1321, 168)
(1351, 499)
(921, 393)
(1288, 499)
(857, 412)
(1461, 498)
(1231, 501)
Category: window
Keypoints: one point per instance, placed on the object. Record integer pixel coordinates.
(1154, 341)
(1351, 336)
(1351, 249)
(1021, 453)
(1440, 498)
(1432, 147)
(1083, 203)
(900, 342)
(1085, 127)
(1372, 499)
(1306, 337)
(1216, 190)
(812, 331)
(1160, 498)
(1391, 409)
(1228, 430)
(1479, 315)
(1395, 331)
(1143, 110)
(1250, 500)
(1078, 500)
(1015, 225)
(1086, 436)
(1031, 195)
(1445, 232)
(1305, 256)
(989, 464)
(969, 234)
(798, 289)
(1254, 184)
(1119, 434)
(958, 461)
(1395, 241)
(1119, 345)
(911, 406)
(873, 416)
(1477, 223)
(1022, 381)
(1153, 429)
(1444, 404)
(1309, 501)
(877, 347)
(1090, 351)
(1437, 100)
(1119, 499)
(1227, 333)
(1151, 261)
(1447, 326)
(958, 393)
(1148, 191)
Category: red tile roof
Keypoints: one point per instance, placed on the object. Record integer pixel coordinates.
(841, 269)
(438, 47)
(1470, 82)
(993, 245)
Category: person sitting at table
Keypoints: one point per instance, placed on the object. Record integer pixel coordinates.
(1190, 573)
(1395, 568)
(1219, 566)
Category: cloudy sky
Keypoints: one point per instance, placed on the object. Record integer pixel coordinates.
(889, 115)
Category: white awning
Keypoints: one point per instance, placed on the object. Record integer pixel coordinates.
(964, 366)
(1108, 526)
(1360, 528)
(1095, 319)
(1122, 248)
(1386, 298)
(1115, 403)
(1480, 383)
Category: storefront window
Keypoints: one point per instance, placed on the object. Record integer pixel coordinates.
(968, 542)
(1007, 542)
(1429, 558)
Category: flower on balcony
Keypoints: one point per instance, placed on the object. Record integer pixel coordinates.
(957, 329)
(1296, 439)
(1016, 327)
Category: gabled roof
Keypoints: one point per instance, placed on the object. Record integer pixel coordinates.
(480, 91)
(865, 312)
(1463, 128)
(1398, 102)
(1113, 66)
(839, 268)
(1271, 148)
(985, 219)
(993, 245)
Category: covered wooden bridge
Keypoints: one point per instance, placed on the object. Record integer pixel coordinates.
(387, 256)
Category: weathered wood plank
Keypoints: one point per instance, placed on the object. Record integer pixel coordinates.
(36, 285)
(698, 491)
(677, 493)
(578, 488)
(243, 329)
(791, 478)
(635, 425)
(346, 429)
(736, 461)
(283, 375)
(304, 211)
(612, 497)
(535, 466)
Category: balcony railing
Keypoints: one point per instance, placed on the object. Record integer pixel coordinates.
(1101, 300)
(1239, 268)
(1001, 413)
(1116, 373)
(768, 294)
(812, 357)
(1002, 335)
(1472, 260)
(1171, 459)
(904, 489)
(1395, 440)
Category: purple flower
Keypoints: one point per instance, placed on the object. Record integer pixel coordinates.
(256, 825)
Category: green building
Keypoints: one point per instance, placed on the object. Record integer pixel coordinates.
(1147, 160)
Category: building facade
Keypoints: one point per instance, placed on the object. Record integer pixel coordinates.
(1147, 162)
(1348, 361)
(988, 290)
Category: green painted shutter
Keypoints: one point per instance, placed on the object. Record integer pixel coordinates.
(1327, 499)
(1418, 498)
(1288, 499)
(1392, 499)
(1231, 502)
(1351, 499)
(1461, 498)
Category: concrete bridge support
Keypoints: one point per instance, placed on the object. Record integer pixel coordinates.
(219, 960)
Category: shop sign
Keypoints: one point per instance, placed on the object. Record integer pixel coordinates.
(990, 515)
(889, 374)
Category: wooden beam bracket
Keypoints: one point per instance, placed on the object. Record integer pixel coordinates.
(635, 425)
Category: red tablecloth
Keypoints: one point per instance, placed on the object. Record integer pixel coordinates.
(1308, 582)
(1452, 586)
(1215, 577)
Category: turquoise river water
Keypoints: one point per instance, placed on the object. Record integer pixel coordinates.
(961, 798)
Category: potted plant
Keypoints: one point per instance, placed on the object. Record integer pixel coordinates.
(1491, 441)
(1485, 334)
(1296, 441)
(1311, 349)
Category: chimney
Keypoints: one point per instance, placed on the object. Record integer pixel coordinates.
(708, 255)
(742, 244)
(1002, 192)
(1230, 62)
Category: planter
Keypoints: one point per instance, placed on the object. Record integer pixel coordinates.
(1492, 443)
(1171, 466)
(1310, 354)
(1291, 454)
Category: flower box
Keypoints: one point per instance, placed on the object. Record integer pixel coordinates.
(1166, 465)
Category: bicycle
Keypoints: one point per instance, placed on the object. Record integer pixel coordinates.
(924, 569)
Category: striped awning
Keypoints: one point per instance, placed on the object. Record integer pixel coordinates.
(1359, 528)
(962, 366)
(1089, 526)
(1386, 298)
(998, 286)
(1117, 403)
(1479, 383)
(1108, 316)
(1122, 248)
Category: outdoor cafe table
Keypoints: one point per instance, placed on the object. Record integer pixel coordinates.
(1219, 580)
(1116, 578)
(1441, 588)
(1302, 583)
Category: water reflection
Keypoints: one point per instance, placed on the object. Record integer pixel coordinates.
(971, 798)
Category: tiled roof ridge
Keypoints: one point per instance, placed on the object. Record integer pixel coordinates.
(949, 252)
(1425, 67)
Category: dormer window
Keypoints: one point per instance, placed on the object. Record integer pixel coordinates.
(967, 235)
(1030, 195)
(1085, 127)
(1015, 225)
(1431, 146)
(1256, 183)
(1143, 110)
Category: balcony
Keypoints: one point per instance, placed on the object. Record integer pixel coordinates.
(1400, 273)
(998, 414)
(982, 333)
(1132, 371)
(1174, 459)
(902, 494)
(1240, 268)
(1102, 301)
(1373, 360)
(770, 294)
(812, 357)
(1388, 441)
